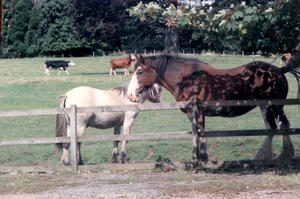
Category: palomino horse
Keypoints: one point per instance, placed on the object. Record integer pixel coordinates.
(123, 62)
(189, 79)
(88, 97)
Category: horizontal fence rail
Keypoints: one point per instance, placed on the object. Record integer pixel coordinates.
(150, 136)
(73, 111)
(149, 107)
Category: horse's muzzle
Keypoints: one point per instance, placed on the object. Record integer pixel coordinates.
(134, 98)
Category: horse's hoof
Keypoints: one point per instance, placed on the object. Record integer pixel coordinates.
(115, 158)
(203, 158)
(66, 162)
(80, 163)
(123, 157)
(193, 166)
(284, 158)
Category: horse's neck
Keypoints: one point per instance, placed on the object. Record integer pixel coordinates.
(172, 78)
(175, 73)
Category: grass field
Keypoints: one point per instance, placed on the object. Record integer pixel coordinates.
(23, 86)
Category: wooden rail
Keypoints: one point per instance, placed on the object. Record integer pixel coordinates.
(148, 136)
(150, 107)
(72, 112)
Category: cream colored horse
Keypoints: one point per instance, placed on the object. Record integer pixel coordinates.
(90, 97)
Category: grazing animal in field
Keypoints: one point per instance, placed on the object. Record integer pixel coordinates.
(188, 79)
(123, 62)
(60, 65)
(285, 58)
(91, 97)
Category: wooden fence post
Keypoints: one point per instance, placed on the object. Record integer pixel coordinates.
(73, 124)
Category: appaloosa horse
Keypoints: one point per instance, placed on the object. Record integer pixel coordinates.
(189, 79)
(89, 97)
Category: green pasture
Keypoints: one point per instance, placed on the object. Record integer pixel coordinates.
(23, 86)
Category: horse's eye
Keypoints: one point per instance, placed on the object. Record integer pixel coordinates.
(139, 72)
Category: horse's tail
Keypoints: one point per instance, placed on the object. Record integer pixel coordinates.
(61, 123)
(293, 66)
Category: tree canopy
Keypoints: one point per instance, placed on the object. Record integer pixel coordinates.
(79, 27)
(260, 25)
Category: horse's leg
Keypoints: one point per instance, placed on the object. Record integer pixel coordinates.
(265, 151)
(80, 132)
(115, 153)
(115, 72)
(79, 158)
(65, 155)
(288, 150)
(110, 71)
(202, 148)
(199, 152)
(127, 124)
(125, 71)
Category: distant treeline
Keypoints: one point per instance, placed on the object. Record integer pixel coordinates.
(33, 28)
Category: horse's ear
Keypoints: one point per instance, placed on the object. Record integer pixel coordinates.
(142, 59)
(298, 47)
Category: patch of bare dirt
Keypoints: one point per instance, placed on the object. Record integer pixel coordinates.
(150, 184)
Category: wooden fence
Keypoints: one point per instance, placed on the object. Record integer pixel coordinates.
(73, 110)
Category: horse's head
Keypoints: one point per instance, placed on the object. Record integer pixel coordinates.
(143, 78)
(132, 57)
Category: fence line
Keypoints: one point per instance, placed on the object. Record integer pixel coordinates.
(149, 136)
(73, 111)
(149, 107)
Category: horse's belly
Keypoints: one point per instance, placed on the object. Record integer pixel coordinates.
(106, 120)
(227, 111)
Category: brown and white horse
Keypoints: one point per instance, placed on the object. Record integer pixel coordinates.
(123, 62)
(90, 97)
(188, 79)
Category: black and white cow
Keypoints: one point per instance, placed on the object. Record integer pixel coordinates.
(57, 64)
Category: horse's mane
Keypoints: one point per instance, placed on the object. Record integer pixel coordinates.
(122, 89)
(161, 62)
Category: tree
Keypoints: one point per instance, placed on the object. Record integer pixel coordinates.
(0, 28)
(152, 12)
(31, 36)
(57, 33)
(16, 17)
(138, 37)
(269, 26)
(105, 25)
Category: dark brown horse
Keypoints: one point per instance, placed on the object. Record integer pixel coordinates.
(190, 78)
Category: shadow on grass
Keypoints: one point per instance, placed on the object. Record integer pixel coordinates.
(246, 167)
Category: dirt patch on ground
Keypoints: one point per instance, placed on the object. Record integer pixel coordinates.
(104, 183)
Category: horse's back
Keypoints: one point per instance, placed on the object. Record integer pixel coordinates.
(88, 96)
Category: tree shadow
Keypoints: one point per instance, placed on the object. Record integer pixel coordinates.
(246, 167)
